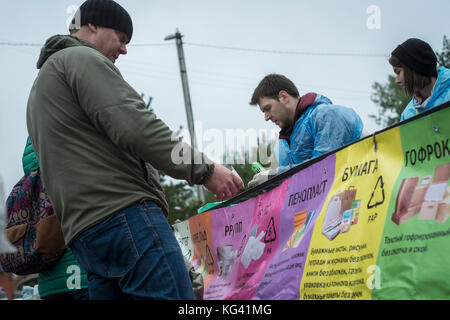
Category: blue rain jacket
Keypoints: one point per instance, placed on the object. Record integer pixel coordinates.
(323, 127)
(441, 94)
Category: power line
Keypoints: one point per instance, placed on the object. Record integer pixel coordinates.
(20, 44)
(198, 80)
(149, 45)
(25, 44)
(287, 52)
(335, 54)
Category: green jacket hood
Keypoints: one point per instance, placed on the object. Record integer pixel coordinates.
(29, 160)
(57, 43)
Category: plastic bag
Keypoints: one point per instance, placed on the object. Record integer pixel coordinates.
(30, 293)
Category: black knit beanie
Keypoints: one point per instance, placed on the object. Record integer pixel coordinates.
(418, 56)
(104, 13)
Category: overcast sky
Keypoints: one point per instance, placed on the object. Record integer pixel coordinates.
(337, 48)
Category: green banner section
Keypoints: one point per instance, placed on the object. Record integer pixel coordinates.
(414, 255)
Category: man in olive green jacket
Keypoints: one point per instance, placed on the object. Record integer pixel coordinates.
(99, 149)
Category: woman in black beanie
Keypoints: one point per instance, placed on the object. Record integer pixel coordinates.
(414, 63)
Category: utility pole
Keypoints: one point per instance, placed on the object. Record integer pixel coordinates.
(187, 98)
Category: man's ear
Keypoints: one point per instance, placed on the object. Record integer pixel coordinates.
(283, 96)
(92, 28)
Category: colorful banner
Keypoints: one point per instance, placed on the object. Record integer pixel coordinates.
(367, 222)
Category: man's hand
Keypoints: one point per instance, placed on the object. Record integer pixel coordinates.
(223, 183)
(262, 177)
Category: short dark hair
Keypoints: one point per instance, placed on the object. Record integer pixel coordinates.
(413, 81)
(271, 86)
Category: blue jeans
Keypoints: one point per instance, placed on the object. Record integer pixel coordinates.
(133, 254)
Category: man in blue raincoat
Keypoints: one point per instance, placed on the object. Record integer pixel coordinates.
(311, 125)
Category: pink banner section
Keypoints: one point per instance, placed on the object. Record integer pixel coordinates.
(262, 242)
(230, 229)
(244, 241)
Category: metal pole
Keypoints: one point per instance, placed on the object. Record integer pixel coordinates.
(187, 98)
